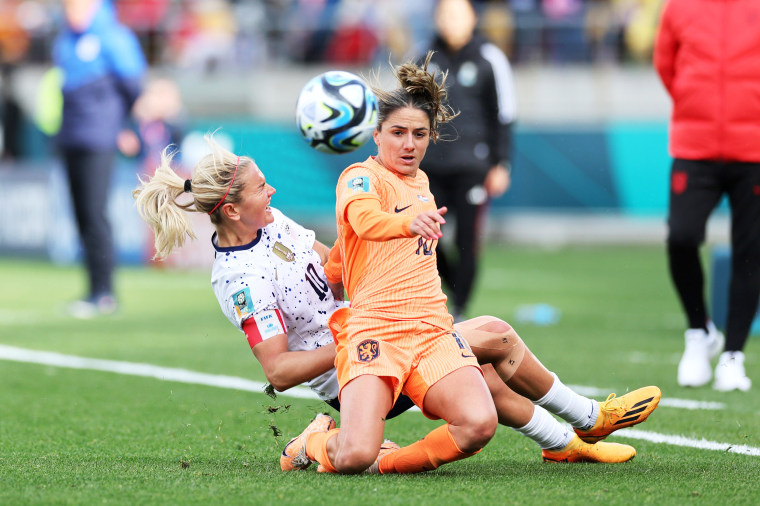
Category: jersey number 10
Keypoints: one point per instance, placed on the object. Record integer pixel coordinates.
(317, 283)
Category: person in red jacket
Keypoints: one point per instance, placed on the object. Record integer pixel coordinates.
(707, 54)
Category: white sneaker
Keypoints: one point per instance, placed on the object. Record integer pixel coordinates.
(729, 373)
(716, 340)
(694, 368)
(93, 306)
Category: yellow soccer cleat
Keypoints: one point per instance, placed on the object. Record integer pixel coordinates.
(387, 447)
(578, 450)
(294, 456)
(618, 412)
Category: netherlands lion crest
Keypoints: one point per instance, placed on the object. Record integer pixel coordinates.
(368, 350)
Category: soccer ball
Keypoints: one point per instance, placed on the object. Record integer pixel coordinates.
(336, 112)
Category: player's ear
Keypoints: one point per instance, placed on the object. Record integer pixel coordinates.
(231, 211)
(376, 136)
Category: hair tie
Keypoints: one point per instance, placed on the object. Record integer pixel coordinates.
(188, 186)
(237, 164)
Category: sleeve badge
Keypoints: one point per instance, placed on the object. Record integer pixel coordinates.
(242, 302)
(359, 184)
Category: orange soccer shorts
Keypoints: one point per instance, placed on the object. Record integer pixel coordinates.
(413, 354)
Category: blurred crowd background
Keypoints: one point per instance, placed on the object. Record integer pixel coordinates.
(590, 137)
(211, 34)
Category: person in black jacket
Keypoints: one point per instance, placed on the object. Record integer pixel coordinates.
(103, 67)
(471, 163)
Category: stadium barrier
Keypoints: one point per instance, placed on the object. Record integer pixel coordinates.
(603, 183)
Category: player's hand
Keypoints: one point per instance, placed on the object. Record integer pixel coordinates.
(128, 143)
(497, 181)
(336, 289)
(428, 224)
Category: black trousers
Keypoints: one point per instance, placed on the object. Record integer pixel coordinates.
(89, 174)
(696, 187)
(464, 195)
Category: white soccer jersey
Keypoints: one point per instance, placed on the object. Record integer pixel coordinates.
(279, 270)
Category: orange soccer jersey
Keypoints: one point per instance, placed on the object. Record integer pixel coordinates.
(398, 326)
(394, 279)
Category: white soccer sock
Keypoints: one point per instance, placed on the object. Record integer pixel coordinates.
(545, 430)
(580, 412)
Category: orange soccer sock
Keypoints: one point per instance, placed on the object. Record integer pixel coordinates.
(437, 448)
(316, 448)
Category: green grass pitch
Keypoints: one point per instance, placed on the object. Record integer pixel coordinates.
(81, 436)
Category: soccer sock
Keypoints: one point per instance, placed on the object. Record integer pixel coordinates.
(316, 448)
(437, 448)
(545, 430)
(580, 412)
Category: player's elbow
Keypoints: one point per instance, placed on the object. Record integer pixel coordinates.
(282, 378)
(280, 382)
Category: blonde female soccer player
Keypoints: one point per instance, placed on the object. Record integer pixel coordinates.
(269, 280)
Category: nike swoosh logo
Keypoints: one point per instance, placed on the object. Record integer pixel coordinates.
(399, 210)
(467, 356)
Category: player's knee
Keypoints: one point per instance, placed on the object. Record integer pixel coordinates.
(494, 325)
(354, 460)
(679, 237)
(487, 333)
(478, 431)
(486, 323)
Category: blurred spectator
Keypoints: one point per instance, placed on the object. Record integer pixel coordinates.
(211, 33)
(14, 39)
(103, 67)
(498, 25)
(600, 27)
(10, 115)
(394, 32)
(640, 29)
(708, 57)
(564, 37)
(146, 18)
(14, 44)
(203, 35)
(48, 107)
(402, 28)
(475, 166)
(529, 24)
(159, 119)
(353, 40)
(311, 27)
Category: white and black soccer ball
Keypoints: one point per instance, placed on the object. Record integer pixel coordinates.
(336, 112)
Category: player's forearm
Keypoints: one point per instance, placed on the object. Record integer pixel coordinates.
(333, 267)
(322, 250)
(372, 224)
(295, 367)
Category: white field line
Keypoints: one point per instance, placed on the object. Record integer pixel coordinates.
(670, 402)
(702, 444)
(145, 370)
(15, 354)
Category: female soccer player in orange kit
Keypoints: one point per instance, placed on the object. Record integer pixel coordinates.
(397, 336)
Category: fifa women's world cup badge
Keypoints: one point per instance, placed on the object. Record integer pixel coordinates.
(242, 302)
(368, 350)
(359, 184)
